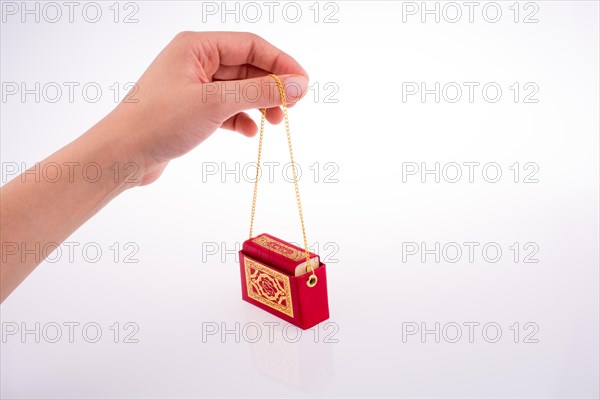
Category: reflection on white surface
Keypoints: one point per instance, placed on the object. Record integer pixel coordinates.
(293, 359)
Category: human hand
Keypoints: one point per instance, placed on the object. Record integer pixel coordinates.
(200, 82)
(197, 84)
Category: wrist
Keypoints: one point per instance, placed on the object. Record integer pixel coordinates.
(130, 139)
(109, 147)
(126, 137)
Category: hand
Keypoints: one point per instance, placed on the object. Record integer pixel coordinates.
(198, 83)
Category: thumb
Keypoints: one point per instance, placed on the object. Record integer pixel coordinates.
(232, 97)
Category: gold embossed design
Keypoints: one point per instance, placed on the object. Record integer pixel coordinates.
(279, 248)
(268, 287)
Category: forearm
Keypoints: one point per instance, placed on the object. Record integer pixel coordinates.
(40, 208)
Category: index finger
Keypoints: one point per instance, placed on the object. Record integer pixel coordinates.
(240, 48)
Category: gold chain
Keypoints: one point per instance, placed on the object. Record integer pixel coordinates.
(260, 142)
(309, 267)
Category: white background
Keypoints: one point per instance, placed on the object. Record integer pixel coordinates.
(358, 222)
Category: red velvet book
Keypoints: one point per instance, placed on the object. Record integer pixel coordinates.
(275, 279)
(287, 257)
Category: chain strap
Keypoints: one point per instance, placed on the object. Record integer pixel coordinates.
(312, 281)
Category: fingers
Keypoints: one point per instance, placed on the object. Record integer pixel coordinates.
(236, 72)
(274, 115)
(247, 71)
(244, 124)
(238, 65)
(231, 97)
(241, 123)
(240, 48)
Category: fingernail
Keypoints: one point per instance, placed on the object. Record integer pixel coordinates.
(295, 87)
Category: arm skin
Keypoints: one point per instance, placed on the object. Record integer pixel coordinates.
(183, 97)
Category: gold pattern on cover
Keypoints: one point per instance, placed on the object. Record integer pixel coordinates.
(268, 287)
(279, 248)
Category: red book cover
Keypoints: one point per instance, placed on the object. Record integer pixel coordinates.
(291, 298)
(280, 254)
